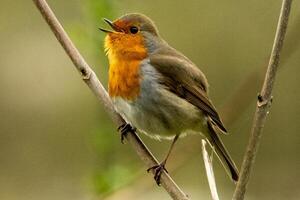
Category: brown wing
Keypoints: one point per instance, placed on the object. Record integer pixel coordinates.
(184, 79)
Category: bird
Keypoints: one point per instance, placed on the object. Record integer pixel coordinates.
(158, 90)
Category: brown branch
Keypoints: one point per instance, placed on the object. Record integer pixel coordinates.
(263, 103)
(97, 88)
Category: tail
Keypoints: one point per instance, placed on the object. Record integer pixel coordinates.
(222, 153)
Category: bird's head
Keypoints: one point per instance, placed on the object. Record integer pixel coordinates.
(131, 36)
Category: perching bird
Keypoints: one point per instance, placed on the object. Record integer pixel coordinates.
(158, 90)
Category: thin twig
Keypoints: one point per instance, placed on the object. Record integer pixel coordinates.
(97, 88)
(209, 172)
(263, 103)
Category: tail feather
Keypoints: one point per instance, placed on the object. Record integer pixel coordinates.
(222, 153)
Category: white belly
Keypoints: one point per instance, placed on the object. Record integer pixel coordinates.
(158, 112)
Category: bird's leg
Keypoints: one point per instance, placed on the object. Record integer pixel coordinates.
(158, 169)
(124, 129)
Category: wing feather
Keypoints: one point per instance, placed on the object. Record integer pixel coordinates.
(184, 79)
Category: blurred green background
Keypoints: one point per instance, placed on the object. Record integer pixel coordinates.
(56, 142)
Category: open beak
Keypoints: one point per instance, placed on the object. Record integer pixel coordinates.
(111, 24)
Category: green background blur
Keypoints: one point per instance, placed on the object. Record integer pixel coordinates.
(56, 142)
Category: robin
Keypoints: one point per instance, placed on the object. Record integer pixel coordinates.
(158, 90)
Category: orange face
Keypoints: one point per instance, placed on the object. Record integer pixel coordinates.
(125, 48)
(126, 41)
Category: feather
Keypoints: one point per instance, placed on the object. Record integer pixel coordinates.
(183, 78)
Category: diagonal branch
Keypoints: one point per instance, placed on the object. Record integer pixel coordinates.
(209, 172)
(90, 78)
(263, 103)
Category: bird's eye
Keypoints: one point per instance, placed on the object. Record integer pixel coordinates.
(134, 29)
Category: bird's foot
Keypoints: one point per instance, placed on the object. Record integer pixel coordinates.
(124, 129)
(158, 170)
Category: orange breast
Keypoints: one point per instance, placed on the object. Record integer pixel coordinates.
(124, 79)
(125, 55)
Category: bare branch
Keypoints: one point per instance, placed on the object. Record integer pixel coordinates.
(263, 103)
(209, 172)
(97, 88)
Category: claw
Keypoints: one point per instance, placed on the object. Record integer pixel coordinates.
(124, 129)
(158, 170)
